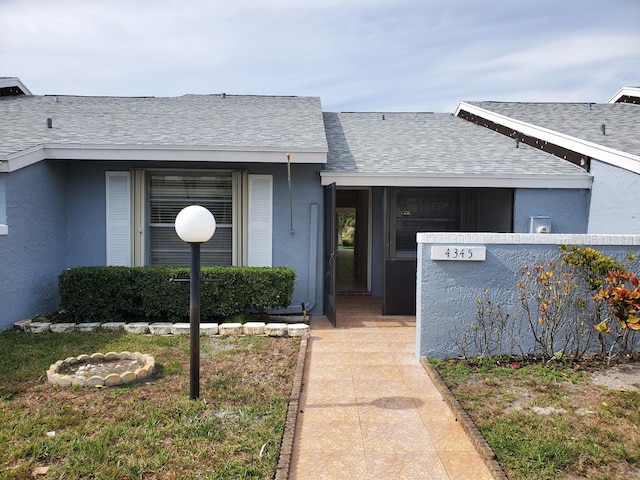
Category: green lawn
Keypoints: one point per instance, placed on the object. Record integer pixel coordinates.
(548, 421)
(148, 430)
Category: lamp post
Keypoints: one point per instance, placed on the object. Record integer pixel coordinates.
(195, 225)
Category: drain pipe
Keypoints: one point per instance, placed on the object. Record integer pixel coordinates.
(313, 252)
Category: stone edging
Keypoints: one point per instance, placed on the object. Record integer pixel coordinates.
(55, 377)
(272, 329)
(286, 447)
(478, 441)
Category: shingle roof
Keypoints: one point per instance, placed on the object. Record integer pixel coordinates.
(580, 120)
(430, 143)
(212, 121)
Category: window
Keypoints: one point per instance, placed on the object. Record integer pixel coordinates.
(416, 210)
(168, 194)
(147, 201)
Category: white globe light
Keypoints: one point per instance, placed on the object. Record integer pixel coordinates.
(195, 224)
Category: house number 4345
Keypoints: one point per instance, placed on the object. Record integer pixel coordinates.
(458, 253)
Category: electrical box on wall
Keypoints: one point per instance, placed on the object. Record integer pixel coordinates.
(540, 225)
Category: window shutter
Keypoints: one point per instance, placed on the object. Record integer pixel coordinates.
(118, 188)
(260, 220)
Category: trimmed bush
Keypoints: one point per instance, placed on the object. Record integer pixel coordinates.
(156, 294)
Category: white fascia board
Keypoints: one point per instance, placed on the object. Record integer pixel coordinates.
(625, 91)
(608, 155)
(434, 180)
(157, 153)
(24, 158)
(14, 82)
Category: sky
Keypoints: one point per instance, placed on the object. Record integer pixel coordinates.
(356, 55)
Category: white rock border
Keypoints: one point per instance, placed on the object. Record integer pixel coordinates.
(65, 380)
(271, 329)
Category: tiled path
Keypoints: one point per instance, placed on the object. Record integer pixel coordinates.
(369, 409)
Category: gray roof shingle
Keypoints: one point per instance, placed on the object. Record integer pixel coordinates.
(209, 121)
(579, 120)
(430, 143)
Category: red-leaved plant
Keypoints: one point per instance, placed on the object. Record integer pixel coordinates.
(622, 294)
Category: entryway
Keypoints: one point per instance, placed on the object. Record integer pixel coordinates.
(352, 262)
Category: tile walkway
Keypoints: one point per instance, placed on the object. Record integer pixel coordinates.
(368, 408)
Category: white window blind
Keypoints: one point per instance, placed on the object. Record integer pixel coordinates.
(260, 220)
(118, 202)
(168, 194)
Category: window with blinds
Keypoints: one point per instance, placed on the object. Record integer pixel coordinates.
(168, 194)
(416, 210)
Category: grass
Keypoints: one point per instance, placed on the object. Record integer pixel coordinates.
(150, 430)
(548, 421)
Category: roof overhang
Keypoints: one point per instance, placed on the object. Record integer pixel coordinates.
(356, 179)
(14, 86)
(612, 156)
(625, 92)
(24, 158)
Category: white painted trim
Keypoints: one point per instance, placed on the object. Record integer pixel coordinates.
(4, 229)
(14, 82)
(528, 239)
(625, 91)
(29, 156)
(354, 179)
(612, 156)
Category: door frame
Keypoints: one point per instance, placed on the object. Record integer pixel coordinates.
(330, 250)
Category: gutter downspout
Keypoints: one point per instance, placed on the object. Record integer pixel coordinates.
(313, 255)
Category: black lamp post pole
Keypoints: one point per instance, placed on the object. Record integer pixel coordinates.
(194, 320)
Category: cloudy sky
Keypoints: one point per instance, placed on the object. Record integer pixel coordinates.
(357, 55)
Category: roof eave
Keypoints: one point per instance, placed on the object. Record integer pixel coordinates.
(360, 179)
(624, 92)
(7, 82)
(24, 158)
(609, 155)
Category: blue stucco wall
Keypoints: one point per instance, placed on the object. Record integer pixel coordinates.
(34, 251)
(87, 230)
(56, 215)
(447, 291)
(615, 200)
(294, 250)
(86, 213)
(568, 209)
(3, 202)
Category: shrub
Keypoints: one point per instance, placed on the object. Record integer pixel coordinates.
(156, 293)
(557, 309)
(566, 305)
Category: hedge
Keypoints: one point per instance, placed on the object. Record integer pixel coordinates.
(151, 293)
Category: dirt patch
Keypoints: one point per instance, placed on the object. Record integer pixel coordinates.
(620, 377)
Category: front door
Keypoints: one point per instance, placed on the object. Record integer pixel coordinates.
(330, 247)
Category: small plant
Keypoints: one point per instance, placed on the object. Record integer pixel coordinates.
(590, 264)
(622, 295)
(493, 331)
(553, 309)
(562, 301)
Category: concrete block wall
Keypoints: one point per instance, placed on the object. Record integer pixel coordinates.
(447, 290)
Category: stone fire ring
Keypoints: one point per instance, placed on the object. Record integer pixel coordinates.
(112, 369)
